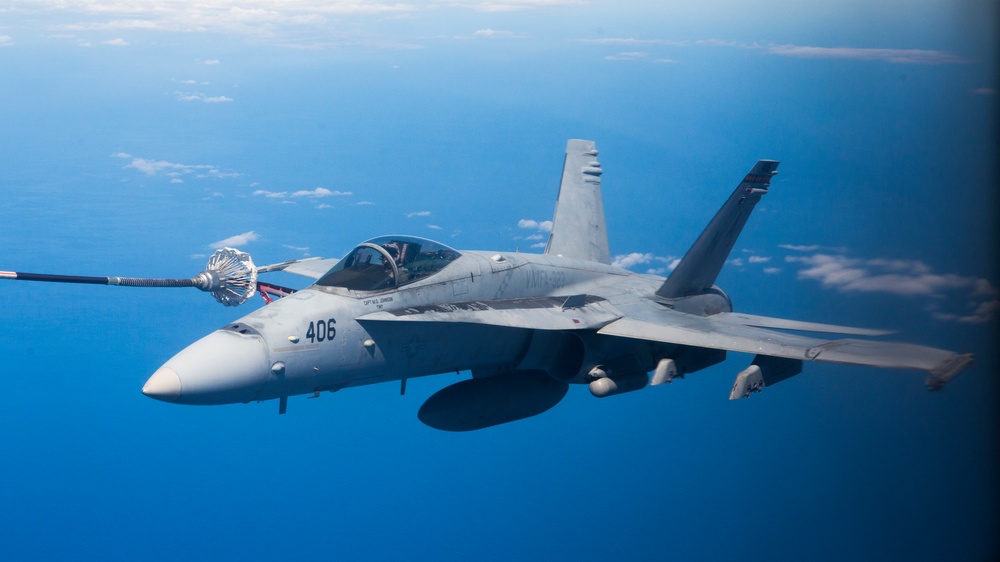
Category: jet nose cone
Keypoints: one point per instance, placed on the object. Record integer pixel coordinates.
(224, 367)
(163, 385)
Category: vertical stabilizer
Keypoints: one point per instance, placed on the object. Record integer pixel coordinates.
(578, 227)
(701, 265)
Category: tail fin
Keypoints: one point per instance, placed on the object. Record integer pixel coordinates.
(701, 265)
(578, 227)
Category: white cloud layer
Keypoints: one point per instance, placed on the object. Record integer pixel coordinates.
(172, 169)
(311, 24)
(198, 96)
(895, 56)
(626, 261)
(258, 17)
(976, 297)
(238, 240)
(544, 226)
(320, 192)
(317, 193)
(270, 194)
(906, 278)
(511, 5)
(634, 41)
(635, 259)
(496, 34)
(899, 277)
(632, 55)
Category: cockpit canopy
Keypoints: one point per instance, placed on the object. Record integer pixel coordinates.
(387, 262)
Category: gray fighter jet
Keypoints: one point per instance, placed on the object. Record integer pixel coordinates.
(525, 325)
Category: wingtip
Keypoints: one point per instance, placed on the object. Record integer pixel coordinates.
(947, 370)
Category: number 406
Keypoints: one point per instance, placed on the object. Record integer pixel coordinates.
(321, 331)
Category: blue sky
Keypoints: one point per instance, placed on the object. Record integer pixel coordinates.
(137, 136)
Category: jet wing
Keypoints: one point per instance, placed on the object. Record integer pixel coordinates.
(575, 312)
(669, 326)
(314, 268)
(741, 319)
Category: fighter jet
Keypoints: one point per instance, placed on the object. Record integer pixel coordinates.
(526, 326)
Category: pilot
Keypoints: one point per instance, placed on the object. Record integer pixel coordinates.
(401, 253)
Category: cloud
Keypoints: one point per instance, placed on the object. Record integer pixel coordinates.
(496, 34)
(154, 167)
(544, 226)
(977, 91)
(633, 41)
(172, 169)
(628, 261)
(212, 62)
(759, 259)
(799, 248)
(772, 270)
(260, 18)
(302, 249)
(899, 277)
(270, 194)
(6, 40)
(895, 56)
(418, 214)
(979, 313)
(116, 42)
(434, 227)
(512, 5)
(903, 278)
(634, 55)
(320, 192)
(238, 240)
(317, 193)
(198, 96)
(813, 248)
